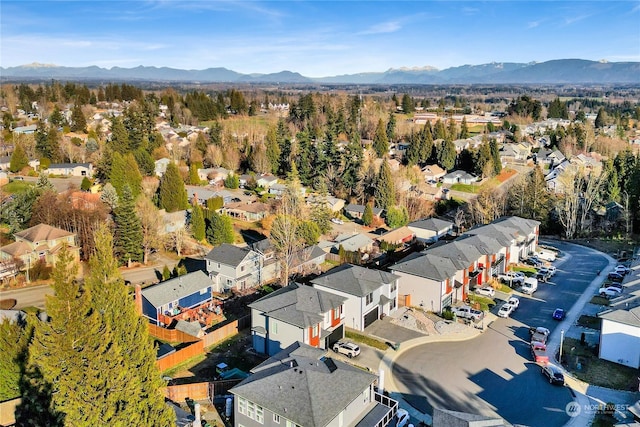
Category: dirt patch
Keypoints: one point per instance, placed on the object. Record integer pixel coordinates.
(415, 320)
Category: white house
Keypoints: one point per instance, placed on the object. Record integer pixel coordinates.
(429, 230)
(369, 293)
(620, 336)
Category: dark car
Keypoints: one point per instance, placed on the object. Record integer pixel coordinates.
(615, 277)
(558, 314)
(554, 374)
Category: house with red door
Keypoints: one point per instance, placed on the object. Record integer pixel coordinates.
(296, 313)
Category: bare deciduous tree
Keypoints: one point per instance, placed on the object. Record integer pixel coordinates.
(150, 222)
(284, 231)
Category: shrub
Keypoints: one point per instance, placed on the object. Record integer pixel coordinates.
(447, 314)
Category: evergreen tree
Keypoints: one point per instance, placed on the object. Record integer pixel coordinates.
(601, 118)
(408, 105)
(385, 192)
(380, 140)
(14, 340)
(194, 179)
(197, 223)
(172, 192)
(124, 171)
(452, 131)
(73, 352)
(119, 141)
(141, 402)
(166, 273)
(86, 184)
(56, 117)
(495, 156)
(128, 228)
(558, 109)
(145, 162)
(219, 229)
(273, 150)
(447, 155)
(78, 121)
(367, 216)
(464, 129)
(19, 159)
(440, 130)
(232, 181)
(109, 196)
(391, 127)
(308, 232)
(397, 216)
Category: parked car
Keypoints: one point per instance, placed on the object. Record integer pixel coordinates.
(545, 255)
(615, 277)
(513, 277)
(403, 417)
(547, 272)
(558, 314)
(337, 221)
(514, 302)
(534, 261)
(348, 348)
(609, 291)
(622, 269)
(467, 312)
(554, 374)
(541, 276)
(505, 310)
(488, 291)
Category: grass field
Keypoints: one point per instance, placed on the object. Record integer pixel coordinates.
(16, 187)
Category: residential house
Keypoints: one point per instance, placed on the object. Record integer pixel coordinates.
(182, 298)
(370, 293)
(356, 211)
(39, 243)
(247, 211)
(307, 260)
(213, 176)
(170, 222)
(235, 268)
(589, 163)
(430, 230)
(426, 281)
(432, 192)
(352, 243)
(296, 313)
(278, 190)
(266, 181)
(303, 386)
(554, 183)
(332, 203)
(620, 335)
(461, 144)
(398, 236)
(433, 172)
(161, 166)
(459, 177)
(70, 169)
(201, 194)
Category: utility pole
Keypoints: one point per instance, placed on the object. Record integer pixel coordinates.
(561, 342)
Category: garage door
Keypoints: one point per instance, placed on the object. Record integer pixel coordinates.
(335, 336)
(370, 317)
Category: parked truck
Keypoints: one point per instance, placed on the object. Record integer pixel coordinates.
(539, 353)
(530, 285)
(539, 334)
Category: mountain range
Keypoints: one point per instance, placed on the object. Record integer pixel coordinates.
(561, 71)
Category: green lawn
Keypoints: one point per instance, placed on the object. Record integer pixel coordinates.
(16, 187)
(365, 339)
(465, 188)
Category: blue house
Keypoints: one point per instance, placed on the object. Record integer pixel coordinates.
(175, 299)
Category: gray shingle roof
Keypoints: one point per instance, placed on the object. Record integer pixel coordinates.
(298, 305)
(174, 289)
(427, 265)
(360, 209)
(355, 280)
(301, 384)
(461, 254)
(352, 242)
(628, 317)
(433, 224)
(228, 254)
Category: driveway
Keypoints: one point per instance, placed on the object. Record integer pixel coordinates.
(493, 374)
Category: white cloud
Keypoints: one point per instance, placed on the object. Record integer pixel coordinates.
(533, 24)
(382, 28)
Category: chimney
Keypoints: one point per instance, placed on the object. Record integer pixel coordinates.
(138, 299)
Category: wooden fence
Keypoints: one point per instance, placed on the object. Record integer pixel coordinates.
(195, 391)
(173, 359)
(169, 335)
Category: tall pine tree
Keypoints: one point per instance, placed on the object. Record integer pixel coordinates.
(385, 192)
(380, 140)
(197, 223)
(128, 228)
(141, 403)
(173, 194)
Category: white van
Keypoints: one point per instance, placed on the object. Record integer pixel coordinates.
(530, 285)
(545, 255)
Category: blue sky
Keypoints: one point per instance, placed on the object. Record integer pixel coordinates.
(314, 38)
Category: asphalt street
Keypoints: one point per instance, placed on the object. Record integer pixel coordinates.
(493, 374)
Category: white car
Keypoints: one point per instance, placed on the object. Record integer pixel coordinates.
(505, 310)
(403, 417)
(514, 302)
(348, 348)
(622, 269)
(488, 291)
(609, 291)
(515, 277)
(337, 221)
(467, 312)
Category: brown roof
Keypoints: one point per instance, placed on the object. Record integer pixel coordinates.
(256, 207)
(397, 235)
(16, 249)
(42, 232)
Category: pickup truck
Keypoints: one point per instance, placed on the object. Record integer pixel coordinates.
(539, 334)
(539, 353)
(512, 277)
(467, 312)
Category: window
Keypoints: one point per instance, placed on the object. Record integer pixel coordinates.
(394, 286)
(259, 414)
(274, 327)
(276, 418)
(250, 409)
(242, 268)
(315, 330)
(242, 405)
(369, 298)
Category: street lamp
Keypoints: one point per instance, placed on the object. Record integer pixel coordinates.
(561, 342)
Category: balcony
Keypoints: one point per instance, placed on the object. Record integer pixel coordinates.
(381, 412)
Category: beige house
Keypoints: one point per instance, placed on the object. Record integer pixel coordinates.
(41, 242)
